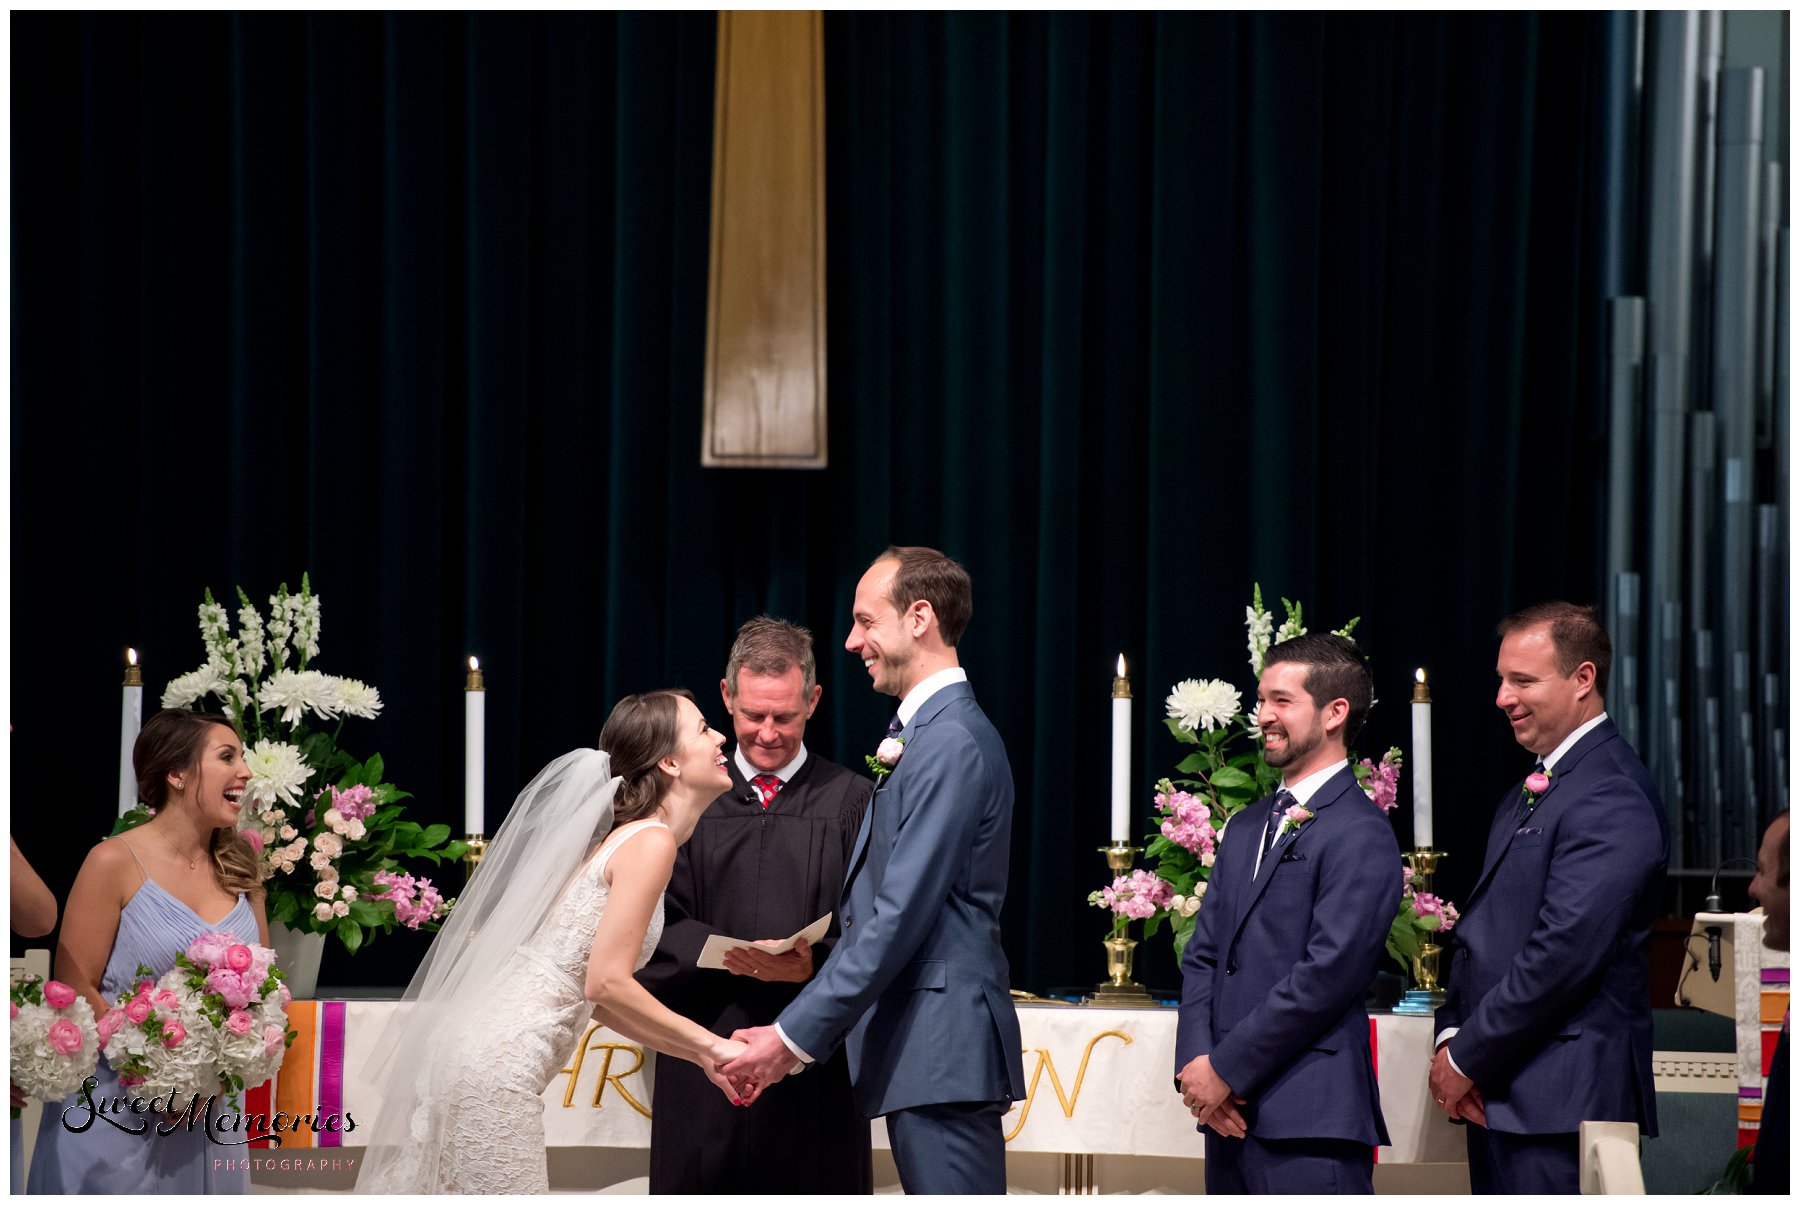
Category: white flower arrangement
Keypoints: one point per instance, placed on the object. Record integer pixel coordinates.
(55, 1043)
(323, 824)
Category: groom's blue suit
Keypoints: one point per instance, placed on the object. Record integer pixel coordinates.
(917, 988)
(1273, 981)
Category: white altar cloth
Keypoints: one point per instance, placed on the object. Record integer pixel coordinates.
(1099, 1081)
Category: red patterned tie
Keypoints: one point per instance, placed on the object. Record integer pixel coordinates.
(767, 787)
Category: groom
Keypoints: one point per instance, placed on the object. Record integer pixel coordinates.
(917, 987)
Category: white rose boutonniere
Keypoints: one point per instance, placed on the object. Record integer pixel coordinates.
(887, 756)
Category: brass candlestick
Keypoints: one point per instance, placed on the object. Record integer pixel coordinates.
(1119, 990)
(472, 857)
(1424, 999)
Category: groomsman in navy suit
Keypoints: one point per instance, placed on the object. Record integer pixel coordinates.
(1547, 1019)
(1272, 1046)
(917, 989)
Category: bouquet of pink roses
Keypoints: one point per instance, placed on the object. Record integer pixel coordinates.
(216, 1021)
(55, 1042)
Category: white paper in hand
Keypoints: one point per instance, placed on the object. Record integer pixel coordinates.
(712, 954)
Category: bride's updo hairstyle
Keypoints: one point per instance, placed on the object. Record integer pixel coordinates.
(641, 731)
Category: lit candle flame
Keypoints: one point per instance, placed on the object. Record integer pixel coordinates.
(1419, 674)
(131, 656)
(1121, 665)
(474, 664)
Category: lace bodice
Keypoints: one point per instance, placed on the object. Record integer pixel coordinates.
(567, 936)
(483, 1129)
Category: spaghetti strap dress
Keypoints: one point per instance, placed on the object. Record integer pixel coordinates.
(154, 927)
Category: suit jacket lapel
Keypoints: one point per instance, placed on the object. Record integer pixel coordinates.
(1335, 788)
(927, 712)
(1507, 826)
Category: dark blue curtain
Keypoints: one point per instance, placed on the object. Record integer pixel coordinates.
(1126, 312)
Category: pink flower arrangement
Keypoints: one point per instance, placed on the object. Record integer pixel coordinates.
(1137, 896)
(415, 901)
(1381, 779)
(54, 1037)
(204, 1026)
(1187, 821)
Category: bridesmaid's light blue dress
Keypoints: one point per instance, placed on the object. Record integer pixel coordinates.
(153, 928)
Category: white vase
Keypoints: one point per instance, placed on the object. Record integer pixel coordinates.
(297, 953)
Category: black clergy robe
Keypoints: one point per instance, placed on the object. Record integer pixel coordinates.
(757, 874)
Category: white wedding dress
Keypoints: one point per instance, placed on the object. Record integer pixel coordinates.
(480, 1127)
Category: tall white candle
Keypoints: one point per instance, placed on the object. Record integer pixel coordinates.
(131, 718)
(1121, 756)
(474, 752)
(1421, 761)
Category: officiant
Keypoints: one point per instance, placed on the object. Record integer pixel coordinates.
(767, 859)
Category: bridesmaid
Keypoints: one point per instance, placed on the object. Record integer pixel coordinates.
(143, 897)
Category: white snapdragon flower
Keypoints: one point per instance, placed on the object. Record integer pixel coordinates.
(190, 688)
(357, 698)
(251, 654)
(296, 692)
(277, 772)
(306, 633)
(1260, 626)
(1196, 704)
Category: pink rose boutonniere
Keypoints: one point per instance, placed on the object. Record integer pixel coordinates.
(887, 756)
(1535, 786)
(1295, 816)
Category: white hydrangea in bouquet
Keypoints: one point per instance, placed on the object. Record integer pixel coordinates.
(324, 824)
(55, 1039)
(1224, 771)
(216, 1022)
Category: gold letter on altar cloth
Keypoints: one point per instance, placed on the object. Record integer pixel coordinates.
(607, 1074)
(765, 313)
(1067, 1100)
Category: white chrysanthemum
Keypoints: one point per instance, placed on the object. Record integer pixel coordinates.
(1208, 703)
(277, 772)
(296, 692)
(188, 689)
(357, 698)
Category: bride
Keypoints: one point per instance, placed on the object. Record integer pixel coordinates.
(566, 906)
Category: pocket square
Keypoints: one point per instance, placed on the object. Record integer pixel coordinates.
(1293, 856)
(1529, 832)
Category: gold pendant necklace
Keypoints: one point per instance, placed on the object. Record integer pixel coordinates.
(193, 863)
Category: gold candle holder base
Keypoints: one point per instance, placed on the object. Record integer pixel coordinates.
(1425, 998)
(477, 850)
(1119, 990)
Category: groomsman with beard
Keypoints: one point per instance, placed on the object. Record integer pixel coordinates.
(766, 860)
(1546, 1023)
(1272, 1044)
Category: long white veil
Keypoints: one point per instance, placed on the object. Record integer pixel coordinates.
(553, 825)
